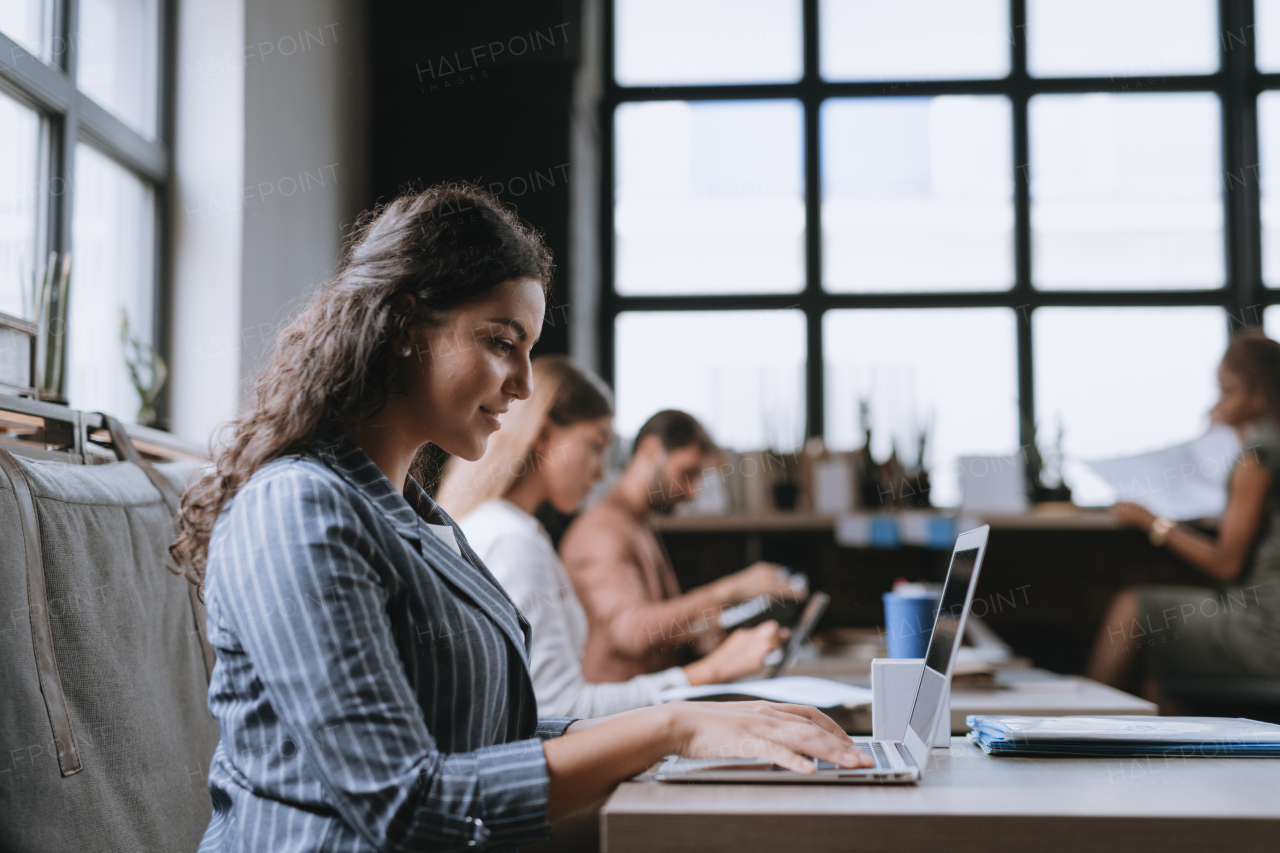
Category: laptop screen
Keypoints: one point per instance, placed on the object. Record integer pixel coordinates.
(943, 644)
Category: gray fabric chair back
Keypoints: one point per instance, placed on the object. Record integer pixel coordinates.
(105, 734)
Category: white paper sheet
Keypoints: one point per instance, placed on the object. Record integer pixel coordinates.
(794, 689)
(1183, 482)
(993, 484)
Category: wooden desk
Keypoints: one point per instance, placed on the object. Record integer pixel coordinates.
(1052, 697)
(1033, 692)
(968, 802)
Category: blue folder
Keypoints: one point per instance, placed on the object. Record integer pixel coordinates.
(1107, 737)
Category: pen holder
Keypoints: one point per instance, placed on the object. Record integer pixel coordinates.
(894, 682)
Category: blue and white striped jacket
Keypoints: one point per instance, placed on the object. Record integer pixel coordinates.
(372, 686)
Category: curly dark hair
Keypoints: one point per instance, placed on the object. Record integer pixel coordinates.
(1255, 358)
(449, 245)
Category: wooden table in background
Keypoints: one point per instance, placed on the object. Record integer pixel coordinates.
(1025, 691)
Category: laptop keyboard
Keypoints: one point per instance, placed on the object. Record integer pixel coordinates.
(872, 748)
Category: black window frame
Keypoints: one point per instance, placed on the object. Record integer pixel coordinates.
(1237, 83)
(70, 116)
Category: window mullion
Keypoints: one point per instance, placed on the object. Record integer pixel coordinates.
(811, 299)
(1240, 162)
(147, 157)
(1020, 93)
(608, 311)
(62, 179)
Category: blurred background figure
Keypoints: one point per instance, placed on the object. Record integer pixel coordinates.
(1232, 628)
(639, 620)
(551, 448)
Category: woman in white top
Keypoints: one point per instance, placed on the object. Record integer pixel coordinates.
(551, 448)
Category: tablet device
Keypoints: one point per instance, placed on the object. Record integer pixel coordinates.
(762, 608)
(813, 610)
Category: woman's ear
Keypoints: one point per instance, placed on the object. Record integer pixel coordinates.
(542, 444)
(402, 310)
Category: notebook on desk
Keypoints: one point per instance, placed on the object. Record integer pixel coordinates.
(896, 762)
(1128, 736)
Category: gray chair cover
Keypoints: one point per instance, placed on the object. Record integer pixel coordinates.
(119, 760)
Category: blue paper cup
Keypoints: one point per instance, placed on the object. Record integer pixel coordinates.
(908, 623)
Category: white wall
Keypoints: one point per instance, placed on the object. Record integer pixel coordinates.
(269, 171)
(206, 219)
(305, 121)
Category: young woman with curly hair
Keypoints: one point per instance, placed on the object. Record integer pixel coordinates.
(372, 681)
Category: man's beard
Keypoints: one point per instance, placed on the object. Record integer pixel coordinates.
(660, 499)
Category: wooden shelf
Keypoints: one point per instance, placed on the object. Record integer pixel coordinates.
(786, 522)
(1083, 520)
(773, 522)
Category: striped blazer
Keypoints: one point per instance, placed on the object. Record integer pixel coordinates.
(372, 685)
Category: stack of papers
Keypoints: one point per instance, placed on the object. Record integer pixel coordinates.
(793, 689)
(1183, 737)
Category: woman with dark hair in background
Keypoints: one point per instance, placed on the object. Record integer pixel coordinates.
(551, 449)
(1233, 630)
(372, 684)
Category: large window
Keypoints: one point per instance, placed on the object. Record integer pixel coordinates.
(83, 170)
(983, 220)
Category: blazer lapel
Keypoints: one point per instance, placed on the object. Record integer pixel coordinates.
(468, 574)
(340, 452)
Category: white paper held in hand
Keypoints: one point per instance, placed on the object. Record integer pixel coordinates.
(1183, 482)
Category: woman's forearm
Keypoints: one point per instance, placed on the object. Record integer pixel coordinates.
(1223, 558)
(640, 626)
(1209, 556)
(595, 755)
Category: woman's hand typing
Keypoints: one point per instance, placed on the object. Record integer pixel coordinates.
(585, 764)
(787, 735)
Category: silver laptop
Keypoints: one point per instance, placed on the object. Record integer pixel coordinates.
(897, 762)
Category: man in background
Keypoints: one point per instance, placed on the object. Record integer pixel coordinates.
(639, 620)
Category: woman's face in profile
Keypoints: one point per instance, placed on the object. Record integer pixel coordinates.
(464, 373)
(1238, 404)
(570, 460)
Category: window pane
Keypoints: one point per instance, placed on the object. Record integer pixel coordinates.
(1271, 321)
(917, 194)
(1269, 155)
(1119, 38)
(19, 205)
(113, 250)
(1266, 28)
(950, 372)
(680, 42)
(914, 39)
(116, 58)
(30, 24)
(1123, 380)
(709, 197)
(739, 372)
(1126, 191)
